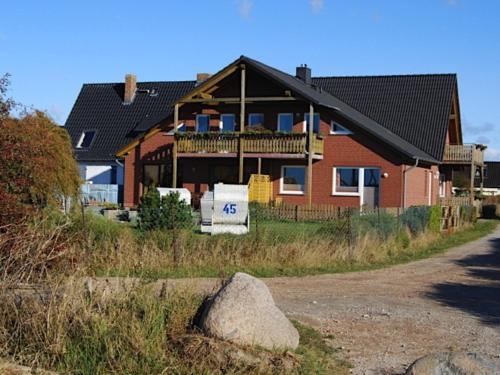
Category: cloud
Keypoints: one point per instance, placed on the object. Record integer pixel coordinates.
(376, 17)
(57, 113)
(492, 154)
(485, 127)
(317, 5)
(482, 140)
(245, 8)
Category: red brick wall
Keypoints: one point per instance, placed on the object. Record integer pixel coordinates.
(340, 151)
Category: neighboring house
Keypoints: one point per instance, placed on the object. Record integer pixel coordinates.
(389, 141)
(491, 185)
(106, 117)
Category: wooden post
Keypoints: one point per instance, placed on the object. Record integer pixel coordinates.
(174, 150)
(481, 182)
(472, 177)
(310, 154)
(242, 122)
(259, 166)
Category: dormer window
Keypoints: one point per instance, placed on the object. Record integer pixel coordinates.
(337, 129)
(86, 139)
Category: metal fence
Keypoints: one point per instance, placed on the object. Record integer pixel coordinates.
(98, 194)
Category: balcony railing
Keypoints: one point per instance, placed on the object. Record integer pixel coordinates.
(464, 154)
(250, 143)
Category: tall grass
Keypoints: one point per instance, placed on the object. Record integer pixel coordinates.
(278, 248)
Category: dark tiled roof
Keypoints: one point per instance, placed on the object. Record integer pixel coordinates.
(100, 107)
(409, 113)
(492, 179)
(414, 107)
(322, 92)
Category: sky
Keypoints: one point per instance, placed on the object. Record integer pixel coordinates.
(52, 47)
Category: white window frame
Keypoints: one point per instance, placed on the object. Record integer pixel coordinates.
(253, 114)
(442, 185)
(221, 123)
(82, 137)
(202, 115)
(361, 182)
(341, 132)
(304, 127)
(289, 192)
(279, 119)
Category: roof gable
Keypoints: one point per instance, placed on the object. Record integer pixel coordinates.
(100, 107)
(414, 107)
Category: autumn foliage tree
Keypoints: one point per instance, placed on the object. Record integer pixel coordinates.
(37, 167)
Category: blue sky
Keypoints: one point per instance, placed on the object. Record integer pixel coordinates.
(52, 47)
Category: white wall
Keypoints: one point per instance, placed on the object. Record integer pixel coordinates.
(101, 173)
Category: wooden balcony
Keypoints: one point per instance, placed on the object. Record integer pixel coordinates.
(252, 145)
(464, 154)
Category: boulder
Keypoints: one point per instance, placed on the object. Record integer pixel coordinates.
(453, 364)
(243, 312)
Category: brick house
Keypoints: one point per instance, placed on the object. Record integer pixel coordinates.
(388, 141)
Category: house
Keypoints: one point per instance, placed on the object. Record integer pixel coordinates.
(491, 185)
(388, 141)
(106, 117)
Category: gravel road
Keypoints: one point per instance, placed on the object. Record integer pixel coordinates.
(383, 320)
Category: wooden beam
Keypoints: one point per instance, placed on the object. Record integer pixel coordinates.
(310, 154)
(259, 166)
(472, 178)
(174, 149)
(238, 100)
(242, 120)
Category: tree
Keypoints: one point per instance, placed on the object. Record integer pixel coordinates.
(37, 167)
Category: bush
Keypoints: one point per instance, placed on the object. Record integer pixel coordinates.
(384, 224)
(435, 219)
(416, 218)
(168, 212)
(468, 214)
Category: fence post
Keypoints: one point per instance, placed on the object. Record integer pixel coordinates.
(398, 223)
(349, 229)
(296, 212)
(175, 249)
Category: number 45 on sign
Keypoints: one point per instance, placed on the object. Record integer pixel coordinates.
(229, 208)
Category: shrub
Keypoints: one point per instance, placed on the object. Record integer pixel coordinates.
(416, 218)
(435, 219)
(383, 224)
(168, 212)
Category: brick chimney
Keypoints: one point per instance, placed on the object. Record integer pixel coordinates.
(202, 77)
(130, 88)
(303, 72)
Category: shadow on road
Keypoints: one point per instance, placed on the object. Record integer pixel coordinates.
(481, 295)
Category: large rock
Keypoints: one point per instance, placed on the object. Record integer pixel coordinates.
(243, 312)
(453, 364)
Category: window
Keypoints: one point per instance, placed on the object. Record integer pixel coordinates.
(371, 177)
(227, 122)
(335, 128)
(155, 175)
(285, 122)
(442, 185)
(350, 181)
(202, 123)
(86, 139)
(255, 119)
(293, 179)
(346, 181)
(315, 123)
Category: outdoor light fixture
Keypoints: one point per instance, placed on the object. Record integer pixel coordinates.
(385, 175)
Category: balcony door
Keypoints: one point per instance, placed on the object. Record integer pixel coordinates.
(371, 187)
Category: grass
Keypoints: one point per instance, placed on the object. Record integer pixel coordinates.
(278, 249)
(137, 331)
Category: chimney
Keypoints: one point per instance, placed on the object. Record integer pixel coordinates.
(202, 77)
(130, 88)
(303, 72)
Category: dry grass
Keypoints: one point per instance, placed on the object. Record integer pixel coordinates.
(270, 253)
(134, 331)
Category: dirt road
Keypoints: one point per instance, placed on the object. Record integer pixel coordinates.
(383, 320)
